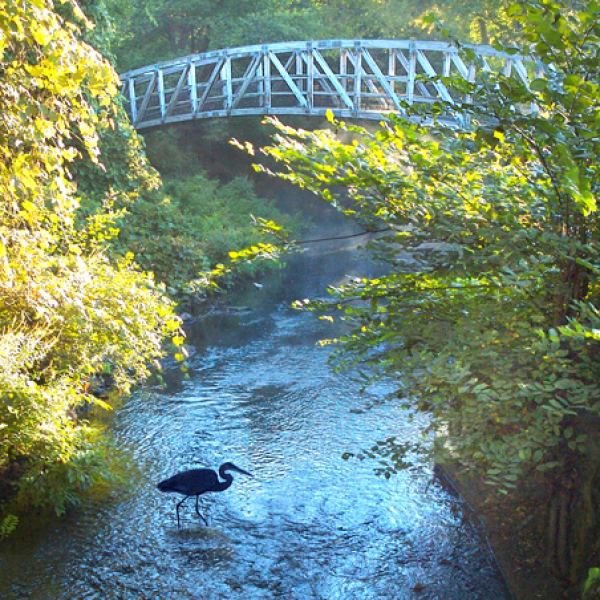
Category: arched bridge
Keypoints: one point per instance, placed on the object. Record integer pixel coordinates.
(352, 78)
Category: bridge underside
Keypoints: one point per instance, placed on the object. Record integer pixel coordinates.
(359, 79)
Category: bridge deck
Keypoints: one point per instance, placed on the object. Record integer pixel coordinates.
(352, 78)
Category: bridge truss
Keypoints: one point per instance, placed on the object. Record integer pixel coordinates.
(361, 79)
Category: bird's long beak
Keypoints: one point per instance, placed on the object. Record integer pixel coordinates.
(234, 468)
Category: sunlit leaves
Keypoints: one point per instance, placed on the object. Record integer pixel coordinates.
(487, 318)
(68, 316)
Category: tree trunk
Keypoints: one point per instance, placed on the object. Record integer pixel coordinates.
(483, 32)
(573, 526)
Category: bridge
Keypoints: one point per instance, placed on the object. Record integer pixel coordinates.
(359, 79)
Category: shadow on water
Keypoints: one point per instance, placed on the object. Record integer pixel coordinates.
(308, 525)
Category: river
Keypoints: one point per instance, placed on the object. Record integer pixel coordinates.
(307, 525)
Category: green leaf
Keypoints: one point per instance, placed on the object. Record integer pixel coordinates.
(514, 10)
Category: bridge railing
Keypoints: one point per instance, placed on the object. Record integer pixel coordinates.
(352, 78)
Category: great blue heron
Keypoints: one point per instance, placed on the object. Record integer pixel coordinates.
(199, 481)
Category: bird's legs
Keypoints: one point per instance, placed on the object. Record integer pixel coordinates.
(178, 505)
(198, 512)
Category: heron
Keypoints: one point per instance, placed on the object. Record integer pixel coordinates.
(196, 482)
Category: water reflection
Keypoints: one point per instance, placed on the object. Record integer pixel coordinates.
(308, 525)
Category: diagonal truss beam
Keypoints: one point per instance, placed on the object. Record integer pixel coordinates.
(385, 84)
(218, 66)
(175, 94)
(288, 79)
(247, 80)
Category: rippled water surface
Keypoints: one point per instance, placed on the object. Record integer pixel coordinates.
(308, 525)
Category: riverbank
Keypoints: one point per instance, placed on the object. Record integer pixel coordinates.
(514, 529)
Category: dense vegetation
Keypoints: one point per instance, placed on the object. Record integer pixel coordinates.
(68, 313)
(489, 317)
(193, 224)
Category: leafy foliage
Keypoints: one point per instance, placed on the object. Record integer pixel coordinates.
(275, 24)
(488, 317)
(590, 588)
(466, 20)
(8, 525)
(66, 312)
(159, 30)
(192, 224)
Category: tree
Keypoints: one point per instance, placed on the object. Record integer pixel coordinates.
(477, 22)
(489, 316)
(467, 20)
(159, 30)
(67, 313)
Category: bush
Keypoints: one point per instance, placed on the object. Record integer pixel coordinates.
(194, 223)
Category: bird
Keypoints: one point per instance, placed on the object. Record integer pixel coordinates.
(196, 482)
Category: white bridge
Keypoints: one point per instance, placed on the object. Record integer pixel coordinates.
(359, 79)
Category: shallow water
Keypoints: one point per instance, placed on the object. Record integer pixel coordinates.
(307, 525)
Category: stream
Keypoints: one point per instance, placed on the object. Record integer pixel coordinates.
(307, 525)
